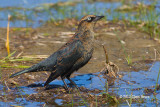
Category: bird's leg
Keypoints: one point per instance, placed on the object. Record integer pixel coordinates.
(73, 82)
(65, 85)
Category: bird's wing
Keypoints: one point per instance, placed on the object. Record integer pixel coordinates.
(69, 54)
(67, 57)
(80, 63)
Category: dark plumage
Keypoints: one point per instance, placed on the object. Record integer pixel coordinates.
(71, 56)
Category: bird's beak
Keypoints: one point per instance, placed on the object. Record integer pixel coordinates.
(98, 18)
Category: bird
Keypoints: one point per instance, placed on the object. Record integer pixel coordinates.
(71, 56)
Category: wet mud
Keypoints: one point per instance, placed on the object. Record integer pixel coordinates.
(133, 51)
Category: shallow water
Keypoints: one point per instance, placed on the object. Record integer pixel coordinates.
(36, 13)
(132, 83)
(22, 102)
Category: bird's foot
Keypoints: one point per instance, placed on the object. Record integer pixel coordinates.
(68, 91)
(47, 87)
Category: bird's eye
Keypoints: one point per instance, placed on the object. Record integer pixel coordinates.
(89, 18)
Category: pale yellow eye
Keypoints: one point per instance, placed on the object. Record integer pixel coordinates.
(89, 18)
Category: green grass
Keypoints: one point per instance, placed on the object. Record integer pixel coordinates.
(157, 81)
(128, 57)
(12, 66)
(129, 60)
(8, 62)
(12, 59)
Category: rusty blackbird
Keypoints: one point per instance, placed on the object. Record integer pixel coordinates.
(71, 56)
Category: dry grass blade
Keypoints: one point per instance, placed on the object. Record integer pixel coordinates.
(7, 42)
(36, 56)
(7, 86)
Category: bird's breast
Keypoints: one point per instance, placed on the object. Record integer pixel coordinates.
(87, 39)
(88, 48)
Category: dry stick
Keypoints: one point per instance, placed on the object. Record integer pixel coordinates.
(7, 42)
(106, 54)
(19, 54)
(44, 105)
(109, 64)
(158, 52)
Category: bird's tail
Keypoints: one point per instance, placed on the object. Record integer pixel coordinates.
(31, 69)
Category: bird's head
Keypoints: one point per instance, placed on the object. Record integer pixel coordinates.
(88, 22)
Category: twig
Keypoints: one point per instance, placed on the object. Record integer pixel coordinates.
(110, 66)
(155, 53)
(128, 103)
(7, 86)
(44, 104)
(19, 54)
(106, 54)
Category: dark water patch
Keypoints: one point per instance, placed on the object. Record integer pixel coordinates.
(35, 85)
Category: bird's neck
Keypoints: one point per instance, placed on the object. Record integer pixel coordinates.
(83, 27)
(85, 32)
(86, 35)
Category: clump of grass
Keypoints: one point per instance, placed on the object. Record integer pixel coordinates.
(150, 18)
(157, 81)
(128, 57)
(7, 61)
(145, 18)
(111, 99)
(9, 58)
(129, 60)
